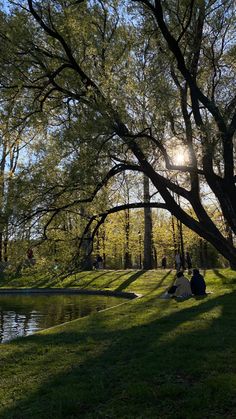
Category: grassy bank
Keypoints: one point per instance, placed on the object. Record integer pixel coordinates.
(147, 358)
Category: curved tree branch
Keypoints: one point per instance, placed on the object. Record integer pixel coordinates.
(101, 217)
(119, 168)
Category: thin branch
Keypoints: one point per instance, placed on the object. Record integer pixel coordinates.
(185, 28)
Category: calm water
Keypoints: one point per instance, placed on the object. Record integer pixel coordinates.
(22, 315)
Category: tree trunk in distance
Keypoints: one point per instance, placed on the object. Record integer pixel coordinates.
(148, 238)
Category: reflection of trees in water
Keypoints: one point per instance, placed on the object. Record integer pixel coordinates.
(1, 326)
(13, 324)
(24, 315)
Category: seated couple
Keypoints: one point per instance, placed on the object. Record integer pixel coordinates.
(183, 288)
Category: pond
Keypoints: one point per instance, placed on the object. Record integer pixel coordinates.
(22, 315)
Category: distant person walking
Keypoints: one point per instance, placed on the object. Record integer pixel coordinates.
(30, 256)
(99, 262)
(163, 262)
(198, 285)
(188, 261)
(178, 261)
(30, 253)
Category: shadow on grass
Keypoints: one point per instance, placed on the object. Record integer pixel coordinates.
(224, 279)
(161, 281)
(34, 283)
(107, 284)
(47, 281)
(219, 274)
(76, 281)
(152, 370)
(50, 281)
(130, 280)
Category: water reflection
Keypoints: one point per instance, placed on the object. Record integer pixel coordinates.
(22, 315)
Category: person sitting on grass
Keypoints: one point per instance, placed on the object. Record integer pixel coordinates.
(181, 287)
(198, 285)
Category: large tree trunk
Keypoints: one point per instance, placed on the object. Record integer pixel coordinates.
(104, 247)
(175, 244)
(181, 242)
(85, 251)
(127, 255)
(148, 261)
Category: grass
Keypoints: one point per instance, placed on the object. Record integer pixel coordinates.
(147, 358)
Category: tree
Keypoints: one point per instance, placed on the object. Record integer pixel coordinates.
(148, 257)
(84, 61)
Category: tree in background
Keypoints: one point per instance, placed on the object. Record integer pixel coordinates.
(148, 253)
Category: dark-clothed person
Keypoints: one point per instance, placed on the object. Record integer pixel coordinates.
(198, 285)
(188, 261)
(163, 262)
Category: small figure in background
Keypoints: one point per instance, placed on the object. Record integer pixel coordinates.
(95, 264)
(99, 261)
(188, 261)
(197, 283)
(30, 256)
(163, 262)
(178, 261)
(56, 264)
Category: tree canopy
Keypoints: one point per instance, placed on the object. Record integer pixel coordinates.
(143, 86)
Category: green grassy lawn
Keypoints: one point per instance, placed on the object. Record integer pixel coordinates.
(146, 358)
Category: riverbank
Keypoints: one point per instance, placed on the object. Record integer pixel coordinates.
(148, 358)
